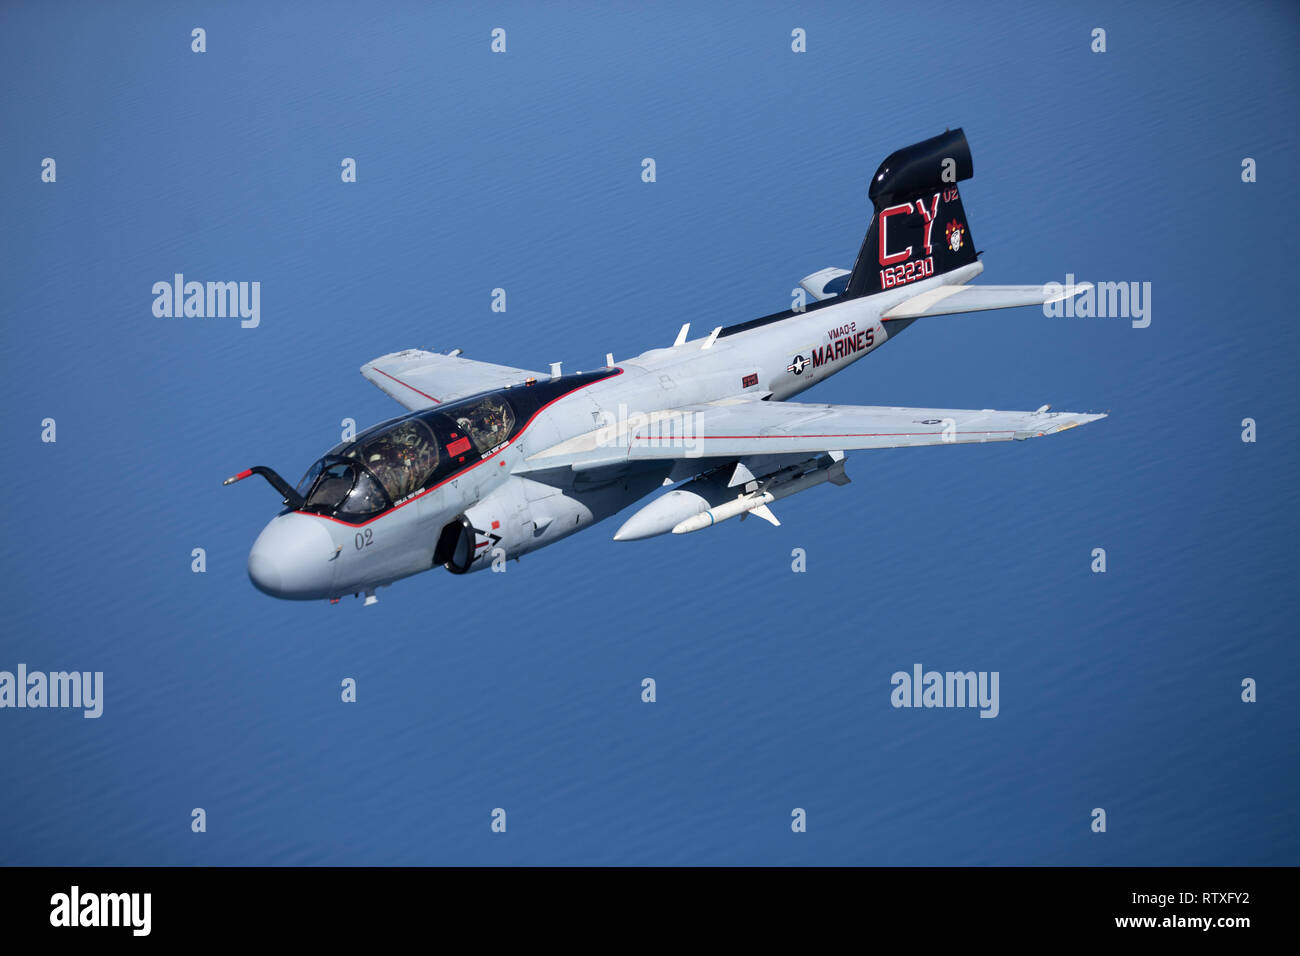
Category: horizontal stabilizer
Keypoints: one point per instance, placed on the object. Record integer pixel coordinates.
(951, 299)
(826, 284)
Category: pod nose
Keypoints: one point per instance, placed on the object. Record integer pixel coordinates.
(293, 558)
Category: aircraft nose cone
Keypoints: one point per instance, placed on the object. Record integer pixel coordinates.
(292, 559)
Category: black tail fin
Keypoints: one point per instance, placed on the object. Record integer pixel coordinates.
(919, 228)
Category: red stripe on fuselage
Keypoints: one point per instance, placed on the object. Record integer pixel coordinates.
(678, 438)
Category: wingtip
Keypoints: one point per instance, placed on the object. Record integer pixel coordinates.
(1074, 421)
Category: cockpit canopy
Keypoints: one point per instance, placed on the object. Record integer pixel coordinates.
(336, 485)
(388, 463)
(489, 422)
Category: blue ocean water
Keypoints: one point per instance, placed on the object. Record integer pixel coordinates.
(522, 170)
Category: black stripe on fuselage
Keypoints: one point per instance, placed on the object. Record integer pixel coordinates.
(780, 316)
(895, 325)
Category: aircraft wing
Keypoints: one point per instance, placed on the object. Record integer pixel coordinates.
(950, 299)
(420, 380)
(744, 429)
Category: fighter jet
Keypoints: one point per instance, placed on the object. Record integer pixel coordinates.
(491, 462)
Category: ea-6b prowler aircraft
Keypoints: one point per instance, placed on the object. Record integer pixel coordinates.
(492, 462)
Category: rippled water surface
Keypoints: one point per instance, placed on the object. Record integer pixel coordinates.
(522, 691)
